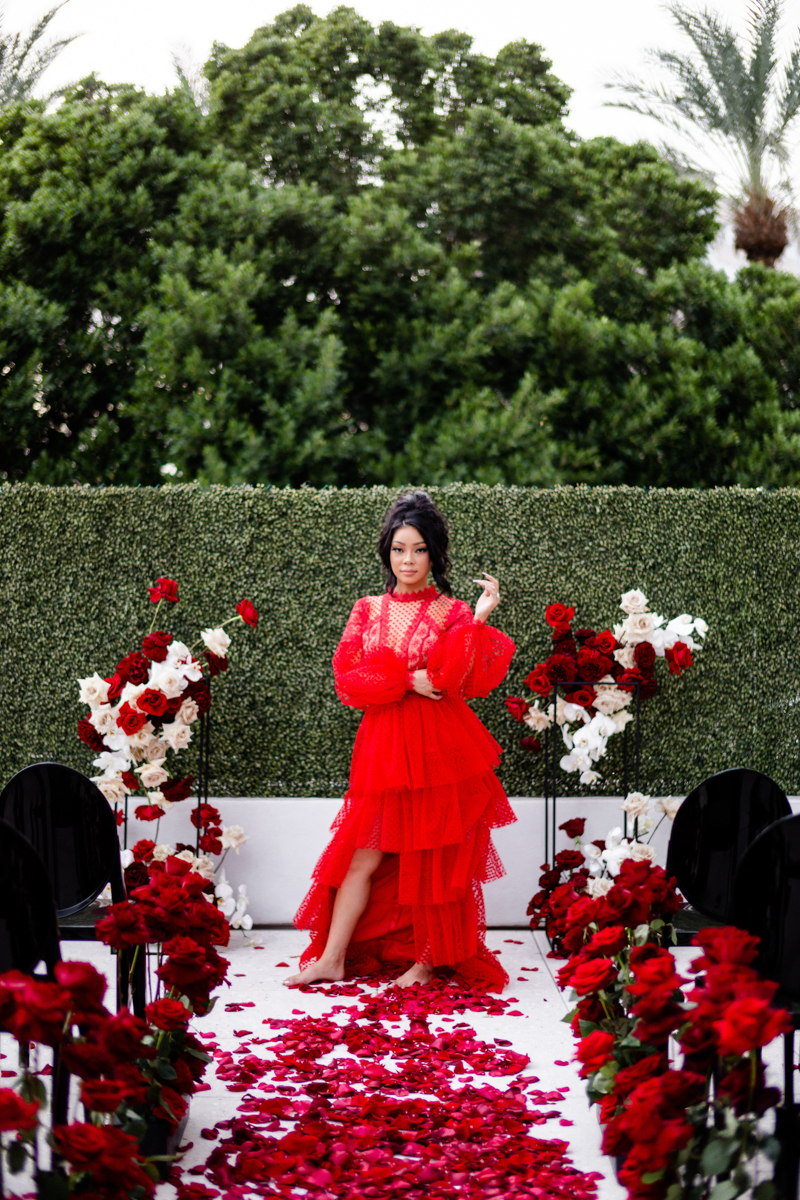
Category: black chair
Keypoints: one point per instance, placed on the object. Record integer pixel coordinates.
(712, 829)
(766, 902)
(70, 824)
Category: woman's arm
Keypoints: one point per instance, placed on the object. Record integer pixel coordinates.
(379, 677)
(471, 657)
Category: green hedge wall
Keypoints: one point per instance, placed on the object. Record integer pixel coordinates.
(75, 564)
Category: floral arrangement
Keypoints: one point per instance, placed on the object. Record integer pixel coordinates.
(592, 867)
(132, 1071)
(604, 669)
(682, 1129)
(141, 719)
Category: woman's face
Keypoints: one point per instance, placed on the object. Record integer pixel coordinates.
(410, 559)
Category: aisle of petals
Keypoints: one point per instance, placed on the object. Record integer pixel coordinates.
(387, 1096)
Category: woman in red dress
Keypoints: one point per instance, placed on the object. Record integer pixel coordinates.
(401, 878)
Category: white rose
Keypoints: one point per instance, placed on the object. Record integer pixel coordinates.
(104, 718)
(158, 798)
(163, 851)
(114, 790)
(625, 657)
(233, 837)
(639, 852)
(93, 691)
(611, 700)
(177, 735)
(188, 712)
(203, 866)
(126, 858)
(621, 719)
(154, 750)
(598, 887)
(536, 719)
(185, 856)
(167, 679)
(633, 601)
(635, 804)
(152, 775)
(111, 764)
(142, 736)
(639, 628)
(669, 805)
(217, 641)
(131, 693)
(181, 658)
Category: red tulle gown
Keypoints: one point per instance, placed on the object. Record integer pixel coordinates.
(422, 787)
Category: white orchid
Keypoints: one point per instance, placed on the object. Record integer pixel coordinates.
(111, 764)
(180, 658)
(241, 919)
(223, 893)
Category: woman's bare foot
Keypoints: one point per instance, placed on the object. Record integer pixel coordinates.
(419, 973)
(317, 972)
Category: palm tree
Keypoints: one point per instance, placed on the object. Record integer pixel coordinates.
(741, 99)
(23, 62)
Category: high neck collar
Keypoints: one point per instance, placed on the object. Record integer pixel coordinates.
(426, 593)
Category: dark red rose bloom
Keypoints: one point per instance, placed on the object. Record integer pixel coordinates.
(106, 1154)
(143, 850)
(174, 703)
(87, 1061)
(569, 860)
(749, 1022)
(121, 926)
(516, 706)
(574, 828)
(85, 984)
(216, 664)
(724, 945)
(564, 644)
(531, 743)
(16, 1113)
(644, 656)
(164, 589)
(679, 658)
(201, 694)
(168, 1014)
(177, 866)
(539, 680)
(210, 843)
(153, 701)
(584, 635)
(559, 614)
(628, 679)
(584, 696)
(33, 1009)
(560, 668)
(115, 686)
(122, 1037)
(148, 812)
(103, 1095)
(129, 720)
(594, 1051)
(648, 689)
(607, 941)
(736, 1087)
(605, 642)
(154, 646)
(136, 875)
(592, 665)
(134, 668)
(656, 971)
(594, 976)
(628, 1078)
(247, 612)
(89, 735)
(175, 790)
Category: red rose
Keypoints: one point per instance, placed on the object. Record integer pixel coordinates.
(210, 843)
(33, 1009)
(153, 701)
(605, 642)
(594, 976)
(175, 790)
(584, 635)
(143, 850)
(16, 1113)
(610, 940)
(115, 686)
(168, 1014)
(628, 679)
(592, 665)
(103, 1095)
(201, 694)
(205, 814)
(134, 668)
(628, 1078)
(574, 828)
(154, 646)
(584, 696)
(122, 1037)
(122, 926)
(216, 664)
(516, 706)
(568, 860)
(85, 984)
(558, 614)
(87, 1061)
(679, 658)
(750, 1022)
(148, 812)
(724, 945)
(129, 720)
(648, 689)
(644, 656)
(531, 743)
(539, 681)
(136, 875)
(164, 589)
(564, 644)
(594, 1051)
(89, 736)
(560, 668)
(105, 1153)
(247, 612)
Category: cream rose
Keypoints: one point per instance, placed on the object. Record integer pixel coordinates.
(203, 866)
(536, 719)
(142, 736)
(621, 719)
(163, 851)
(188, 712)
(635, 804)
(185, 856)
(177, 735)
(611, 701)
(639, 627)
(669, 805)
(114, 790)
(152, 775)
(154, 750)
(639, 852)
(104, 718)
(598, 887)
(93, 691)
(131, 693)
(633, 601)
(159, 799)
(233, 837)
(167, 679)
(624, 657)
(217, 641)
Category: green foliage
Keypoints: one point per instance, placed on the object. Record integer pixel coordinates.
(75, 563)
(23, 60)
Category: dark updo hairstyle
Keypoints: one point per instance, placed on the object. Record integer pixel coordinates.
(417, 509)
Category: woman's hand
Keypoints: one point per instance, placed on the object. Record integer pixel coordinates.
(424, 687)
(490, 598)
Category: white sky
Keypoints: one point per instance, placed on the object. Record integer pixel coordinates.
(587, 40)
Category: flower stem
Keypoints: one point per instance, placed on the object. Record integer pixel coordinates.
(155, 617)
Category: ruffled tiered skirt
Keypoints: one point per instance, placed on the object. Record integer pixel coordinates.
(423, 789)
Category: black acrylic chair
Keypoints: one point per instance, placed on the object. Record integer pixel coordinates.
(766, 902)
(712, 829)
(70, 824)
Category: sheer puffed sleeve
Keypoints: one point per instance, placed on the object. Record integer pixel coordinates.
(470, 657)
(379, 677)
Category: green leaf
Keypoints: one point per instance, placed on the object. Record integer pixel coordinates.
(16, 1157)
(726, 1190)
(165, 1069)
(764, 1190)
(52, 1185)
(653, 1176)
(716, 1157)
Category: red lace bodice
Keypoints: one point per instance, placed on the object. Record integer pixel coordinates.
(389, 637)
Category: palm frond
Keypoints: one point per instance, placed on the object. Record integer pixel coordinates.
(23, 61)
(762, 19)
(788, 97)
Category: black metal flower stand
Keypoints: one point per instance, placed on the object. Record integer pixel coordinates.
(203, 764)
